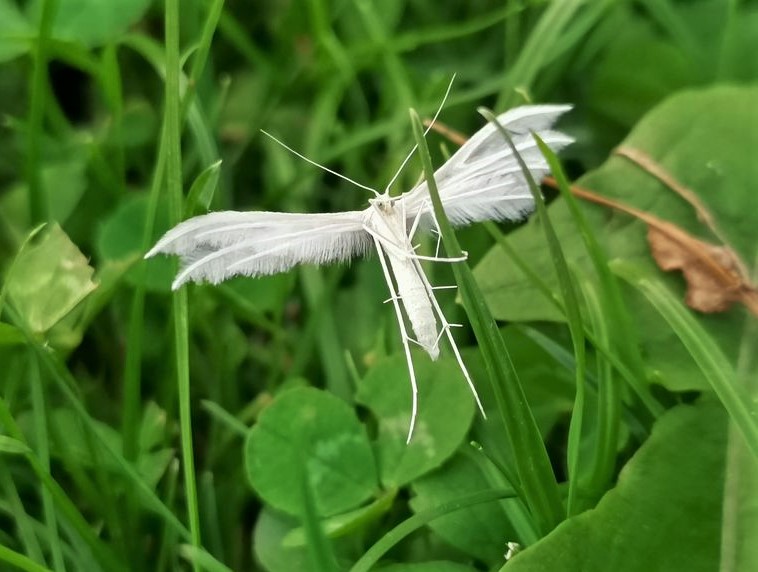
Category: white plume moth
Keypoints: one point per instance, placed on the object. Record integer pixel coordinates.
(481, 181)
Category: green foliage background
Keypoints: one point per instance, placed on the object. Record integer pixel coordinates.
(261, 424)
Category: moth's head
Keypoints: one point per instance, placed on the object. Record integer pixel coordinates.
(383, 201)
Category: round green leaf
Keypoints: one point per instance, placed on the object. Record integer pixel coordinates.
(446, 408)
(308, 432)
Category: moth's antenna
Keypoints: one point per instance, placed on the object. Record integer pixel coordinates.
(429, 128)
(312, 162)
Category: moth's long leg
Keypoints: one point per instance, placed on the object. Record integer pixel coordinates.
(416, 220)
(403, 334)
(446, 327)
(437, 258)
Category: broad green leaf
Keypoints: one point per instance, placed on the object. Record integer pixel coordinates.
(119, 238)
(670, 53)
(617, 95)
(446, 408)
(310, 430)
(10, 335)
(699, 137)
(92, 23)
(50, 278)
(733, 394)
(664, 514)
(16, 32)
(481, 531)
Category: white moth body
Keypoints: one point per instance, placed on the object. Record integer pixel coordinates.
(481, 181)
(388, 221)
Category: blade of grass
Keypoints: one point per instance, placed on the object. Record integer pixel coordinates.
(215, 8)
(566, 359)
(43, 451)
(704, 351)
(211, 520)
(173, 153)
(608, 399)
(652, 407)
(20, 561)
(418, 520)
(499, 476)
(532, 463)
(68, 509)
(319, 547)
(741, 470)
(28, 538)
(332, 357)
(132, 370)
(537, 51)
(201, 559)
(573, 317)
(66, 384)
(618, 320)
(166, 559)
(444, 32)
(39, 201)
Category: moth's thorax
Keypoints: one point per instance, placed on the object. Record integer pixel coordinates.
(386, 216)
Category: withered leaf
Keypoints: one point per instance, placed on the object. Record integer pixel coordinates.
(712, 274)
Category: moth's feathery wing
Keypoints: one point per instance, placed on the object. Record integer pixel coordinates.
(483, 180)
(217, 246)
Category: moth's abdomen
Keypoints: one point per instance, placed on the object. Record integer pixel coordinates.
(417, 305)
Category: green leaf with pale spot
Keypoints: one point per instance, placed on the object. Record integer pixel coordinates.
(446, 408)
(310, 430)
(49, 279)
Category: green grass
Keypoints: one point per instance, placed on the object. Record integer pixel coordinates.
(260, 424)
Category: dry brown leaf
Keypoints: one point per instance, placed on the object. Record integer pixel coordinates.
(715, 275)
(713, 279)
